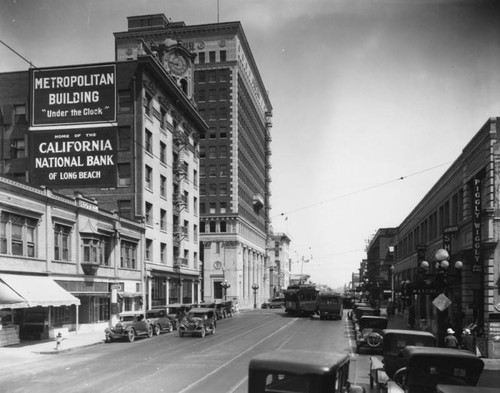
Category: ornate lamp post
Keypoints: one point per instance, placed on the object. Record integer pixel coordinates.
(255, 287)
(225, 285)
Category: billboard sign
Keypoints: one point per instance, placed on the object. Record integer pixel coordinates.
(83, 157)
(73, 95)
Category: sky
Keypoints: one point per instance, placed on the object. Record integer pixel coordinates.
(372, 99)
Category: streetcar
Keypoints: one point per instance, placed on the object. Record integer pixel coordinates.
(301, 300)
(330, 305)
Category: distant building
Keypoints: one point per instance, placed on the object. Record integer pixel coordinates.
(234, 155)
(279, 271)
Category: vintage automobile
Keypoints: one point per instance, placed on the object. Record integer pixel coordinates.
(227, 308)
(427, 367)
(361, 311)
(275, 302)
(369, 333)
(217, 306)
(177, 311)
(300, 371)
(350, 315)
(131, 325)
(394, 340)
(159, 319)
(198, 321)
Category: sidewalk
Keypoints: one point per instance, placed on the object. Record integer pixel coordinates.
(20, 353)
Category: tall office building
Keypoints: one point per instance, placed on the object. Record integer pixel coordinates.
(234, 155)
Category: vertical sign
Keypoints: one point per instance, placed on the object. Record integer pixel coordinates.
(477, 266)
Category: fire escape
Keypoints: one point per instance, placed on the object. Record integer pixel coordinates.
(180, 199)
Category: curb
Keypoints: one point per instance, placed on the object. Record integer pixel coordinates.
(57, 352)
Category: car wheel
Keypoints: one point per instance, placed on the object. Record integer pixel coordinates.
(203, 332)
(399, 377)
(181, 333)
(108, 338)
(374, 340)
(157, 330)
(170, 327)
(131, 335)
(150, 331)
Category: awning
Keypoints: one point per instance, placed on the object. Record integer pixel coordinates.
(33, 291)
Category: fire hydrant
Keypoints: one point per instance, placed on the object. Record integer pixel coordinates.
(58, 340)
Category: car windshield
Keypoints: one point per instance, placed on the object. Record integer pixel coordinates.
(197, 315)
(127, 318)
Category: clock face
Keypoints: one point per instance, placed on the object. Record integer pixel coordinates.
(177, 63)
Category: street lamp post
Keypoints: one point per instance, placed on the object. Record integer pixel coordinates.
(225, 285)
(255, 287)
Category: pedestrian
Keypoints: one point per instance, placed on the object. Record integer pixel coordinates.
(468, 341)
(450, 341)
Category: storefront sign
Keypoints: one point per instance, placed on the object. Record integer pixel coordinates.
(476, 226)
(77, 157)
(73, 95)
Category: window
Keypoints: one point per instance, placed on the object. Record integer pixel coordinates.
(163, 118)
(223, 113)
(148, 142)
(223, 189)
(195, 206)
(222, 55)
(195, 178)
(125, 208)
(124, 174)
(149, 250)
(212, 134)
(202, 171)
(212, 152)
(211, 114)
(223, 227)
(213, 189)
(224, 75)
(223, 170)
(17, 148)
(202, 77)
(212, 76)
(128, 255)
(211, 56)
(96, 249)
(212, 171)
(163, 253)
(202, 208)
(202, 95)
(195, 233)
(17, 235)
(223, 94)
(147, 103)
(124, 101)
(202, 152)
(163, 152)
(222, 151)
(223, 207)
(163, 219)
(186, 198)
(213, 227)
(62, 242)
(163, 186)
(148, 177)
(201, 57)
(211, 95)
(149, 214)
(202, 227)
(203, 189)
(20, 114)
(124, 139)
(212, 208)
(223, 132)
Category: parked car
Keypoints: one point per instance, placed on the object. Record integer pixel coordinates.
(369, 332)
(227, 308)
(131, 325)
(217, 306)
(159, 319)
(394, 340)
(198, 321)
(350, 315)
(300, 371)
(177, 311)
(275, 302)
(428, 367)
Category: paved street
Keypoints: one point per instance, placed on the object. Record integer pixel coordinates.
(168, 363)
